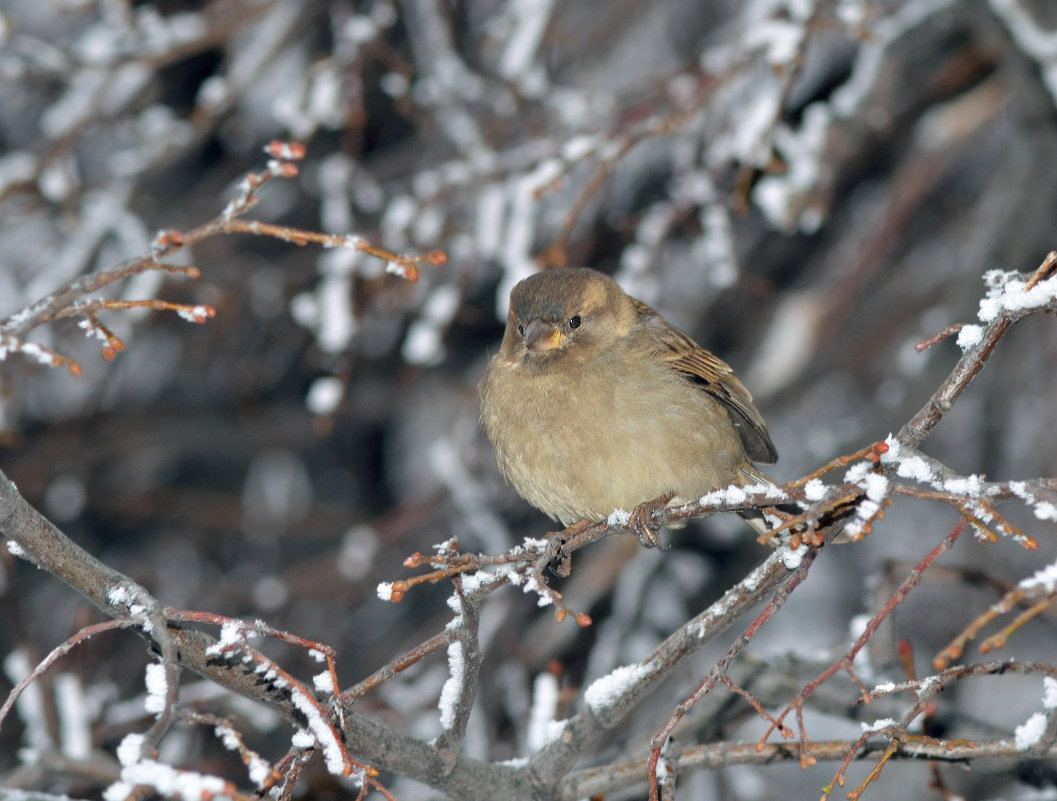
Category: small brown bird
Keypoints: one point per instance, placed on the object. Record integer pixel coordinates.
(595, 402)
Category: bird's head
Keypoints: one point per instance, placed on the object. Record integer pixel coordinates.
(565, 313)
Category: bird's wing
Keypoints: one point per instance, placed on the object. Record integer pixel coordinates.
(714, 376)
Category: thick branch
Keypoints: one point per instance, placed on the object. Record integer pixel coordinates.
(611, 778)
(551, 763)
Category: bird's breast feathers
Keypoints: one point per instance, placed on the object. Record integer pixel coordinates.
(658, 439)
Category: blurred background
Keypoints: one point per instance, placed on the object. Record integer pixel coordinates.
(807, 187)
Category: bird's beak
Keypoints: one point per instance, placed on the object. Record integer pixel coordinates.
(541, 336)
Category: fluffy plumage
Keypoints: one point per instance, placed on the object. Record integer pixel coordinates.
(595, 402)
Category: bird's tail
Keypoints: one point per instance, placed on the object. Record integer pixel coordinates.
(752, 476)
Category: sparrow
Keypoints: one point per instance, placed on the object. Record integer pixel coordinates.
(594, 402)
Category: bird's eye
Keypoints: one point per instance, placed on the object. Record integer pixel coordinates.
(574, 321)
(521, 329)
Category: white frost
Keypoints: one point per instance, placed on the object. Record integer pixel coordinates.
(196, 314)
(323, 682)
(969, 335)
(449, 694)
(336, 324)
(877, 725)
(258, 769)
(1030, 731)
(541, 728)
(791, 558)
(876, 486)
(322, 731)
(736, 496)
(129, 750)
(1044, 510)
(488, 230)
(785, 199)
(126, 596)
(1032, 39)
(76, 713)
(324, 395)
(157, 688)
(1008, 292)
(857, 472)
(1045, 578)
(530, 19)
(232, 634)
(1049, 692)
(607, 690)
(170, 782)
(118, 791)
(578, 147)
(916, 468)
(780, 39)
(814, 490)
(967, 485)
(423, 344)
(30, 703)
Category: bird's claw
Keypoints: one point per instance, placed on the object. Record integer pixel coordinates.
(649, 537)
(560, 561)
(641, 522)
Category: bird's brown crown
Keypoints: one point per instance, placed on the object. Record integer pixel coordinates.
(554, 295)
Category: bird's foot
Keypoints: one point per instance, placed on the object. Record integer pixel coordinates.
(641, 521)
(561, 562)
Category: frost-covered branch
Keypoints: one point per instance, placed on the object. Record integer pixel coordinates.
(809, 188)
(873, 478)
(464, 666)
(1010, 298)
(713, 756)
(69, 300)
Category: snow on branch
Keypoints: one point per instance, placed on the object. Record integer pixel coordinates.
(71, 301)
(851, 490)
